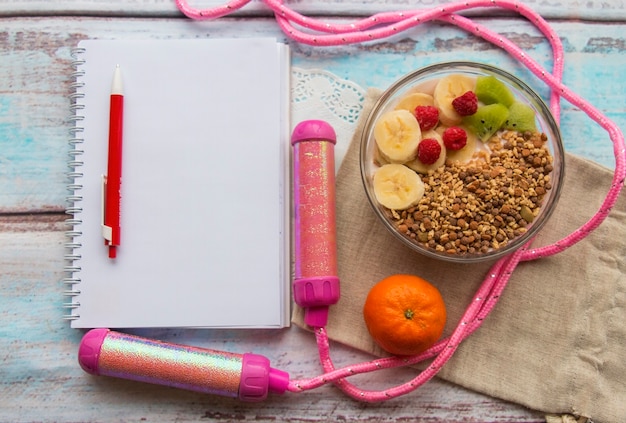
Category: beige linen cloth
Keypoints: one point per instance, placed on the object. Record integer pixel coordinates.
(555, 342)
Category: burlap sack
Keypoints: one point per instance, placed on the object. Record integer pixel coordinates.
(555, 342)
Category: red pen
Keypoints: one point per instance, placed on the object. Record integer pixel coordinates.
(113, 180)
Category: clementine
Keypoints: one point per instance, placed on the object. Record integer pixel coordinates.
(404, 314)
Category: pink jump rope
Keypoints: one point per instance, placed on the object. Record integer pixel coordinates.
(249, 376)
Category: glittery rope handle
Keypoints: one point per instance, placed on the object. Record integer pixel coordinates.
(388, 24)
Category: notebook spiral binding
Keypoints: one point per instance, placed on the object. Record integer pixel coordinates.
(71, 279)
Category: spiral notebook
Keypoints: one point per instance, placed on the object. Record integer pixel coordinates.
(205, 185)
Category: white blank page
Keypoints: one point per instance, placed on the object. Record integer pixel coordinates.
(204, 194)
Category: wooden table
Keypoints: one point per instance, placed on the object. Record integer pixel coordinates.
(39, 376)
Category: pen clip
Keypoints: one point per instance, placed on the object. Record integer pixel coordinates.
(107, 231)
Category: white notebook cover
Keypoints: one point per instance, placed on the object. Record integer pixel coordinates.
(205, 185)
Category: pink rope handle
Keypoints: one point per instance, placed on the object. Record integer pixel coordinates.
(387, 24)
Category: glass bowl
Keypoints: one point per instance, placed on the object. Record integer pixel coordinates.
(481, 201)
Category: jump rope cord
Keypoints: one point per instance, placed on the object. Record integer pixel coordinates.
(388, 24)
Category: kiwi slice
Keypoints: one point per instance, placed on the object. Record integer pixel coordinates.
(487, 120)
(521, 118)
(490, 90)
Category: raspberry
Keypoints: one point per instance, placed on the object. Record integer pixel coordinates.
(427, 116)
(454, 138)
(428, 151)
(466, 104)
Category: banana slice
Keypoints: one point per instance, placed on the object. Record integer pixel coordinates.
(448, 88)
(467, 153)
(418, 166)
(411, 101)
(397, 134)
(397, 187)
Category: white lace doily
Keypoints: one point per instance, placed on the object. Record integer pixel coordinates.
(318, 94)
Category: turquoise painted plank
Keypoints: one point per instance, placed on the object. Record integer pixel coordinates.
(558, 9)
(35, 61)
